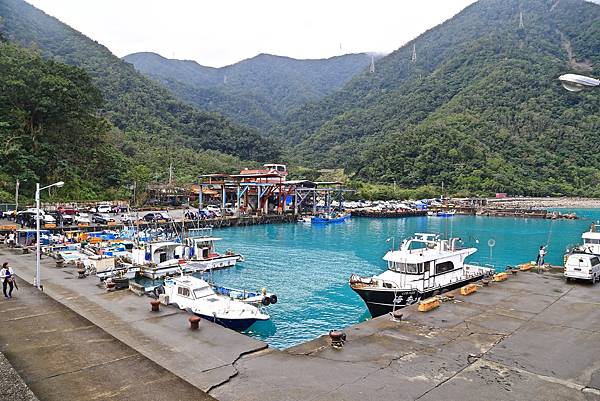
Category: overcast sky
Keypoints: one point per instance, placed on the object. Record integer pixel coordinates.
(222, 32)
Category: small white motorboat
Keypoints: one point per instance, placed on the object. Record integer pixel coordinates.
(197, 296)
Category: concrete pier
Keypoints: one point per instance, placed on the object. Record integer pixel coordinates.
(532, 337)
(62, 356)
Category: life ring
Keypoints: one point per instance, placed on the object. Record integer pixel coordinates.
(266, 301)
(273, 299)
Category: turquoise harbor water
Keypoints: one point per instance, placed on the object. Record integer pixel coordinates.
(308, 266)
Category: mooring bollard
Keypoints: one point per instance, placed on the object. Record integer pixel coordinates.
(338, 338)
(194, 322)
(155, 303)
(397, 315)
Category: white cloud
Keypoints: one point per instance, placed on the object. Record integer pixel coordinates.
(222, 32)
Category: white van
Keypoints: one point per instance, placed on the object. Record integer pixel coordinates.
(103, 208)
(583, 266)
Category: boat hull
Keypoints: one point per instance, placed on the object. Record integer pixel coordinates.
(380, 301)
(320, 220)
(233, 324)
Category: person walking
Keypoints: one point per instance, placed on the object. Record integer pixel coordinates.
(8, 280)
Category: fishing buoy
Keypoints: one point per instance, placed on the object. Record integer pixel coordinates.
(273, 299)
(266, 301)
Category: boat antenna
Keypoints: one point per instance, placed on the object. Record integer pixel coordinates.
(392, 239)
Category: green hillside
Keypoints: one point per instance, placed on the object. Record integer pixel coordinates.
(258, 91)
(157, 128)
(480, 109)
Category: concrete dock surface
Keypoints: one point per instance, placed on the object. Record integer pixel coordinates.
(532, 337)
(62, 356)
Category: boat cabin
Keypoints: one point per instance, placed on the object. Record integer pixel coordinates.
(158, 252)
(425, 261)
(591, 241)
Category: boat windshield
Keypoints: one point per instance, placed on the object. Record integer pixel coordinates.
(409, 268)
(202, 292)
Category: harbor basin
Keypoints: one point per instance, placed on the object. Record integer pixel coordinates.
(308, 266)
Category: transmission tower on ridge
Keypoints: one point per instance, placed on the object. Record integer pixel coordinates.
(521, 25)
(372, 67)
(414, 55)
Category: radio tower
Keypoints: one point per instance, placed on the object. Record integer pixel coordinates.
(414, 55)
(372, 67)
(225, 78)
(521, 26)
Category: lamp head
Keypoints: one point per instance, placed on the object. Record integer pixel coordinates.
(59, 184)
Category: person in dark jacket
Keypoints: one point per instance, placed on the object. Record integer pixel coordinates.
(8, 280)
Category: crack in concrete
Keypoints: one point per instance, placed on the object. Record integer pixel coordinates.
(14, 319)
(85, 368)
(232, 364)
(364, 377)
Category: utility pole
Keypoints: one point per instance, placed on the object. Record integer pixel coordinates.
(170, 173)
(17, 196)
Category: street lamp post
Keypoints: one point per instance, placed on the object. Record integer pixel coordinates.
(577, 83)
(37, 230)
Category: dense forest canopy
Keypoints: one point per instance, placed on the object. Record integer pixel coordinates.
(480, 109)
(153, 128)
(50, 129)
(257, 92)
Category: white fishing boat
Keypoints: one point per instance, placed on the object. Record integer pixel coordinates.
(201, 253)
(590, 242)
(197, 296)
(424, 266)
(159, 259)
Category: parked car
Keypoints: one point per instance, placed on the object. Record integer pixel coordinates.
(214, 209)
(83, 218)
(582, 266)
(125, 218)
(104, 208)
(69, 211)
(102, 218)
(66, 219)
(157, 216)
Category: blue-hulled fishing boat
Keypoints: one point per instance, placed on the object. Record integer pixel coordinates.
(326, 218)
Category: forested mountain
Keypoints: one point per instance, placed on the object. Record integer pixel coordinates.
(480, 107)
(258, 91)
(49, 128)
(157, 128)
